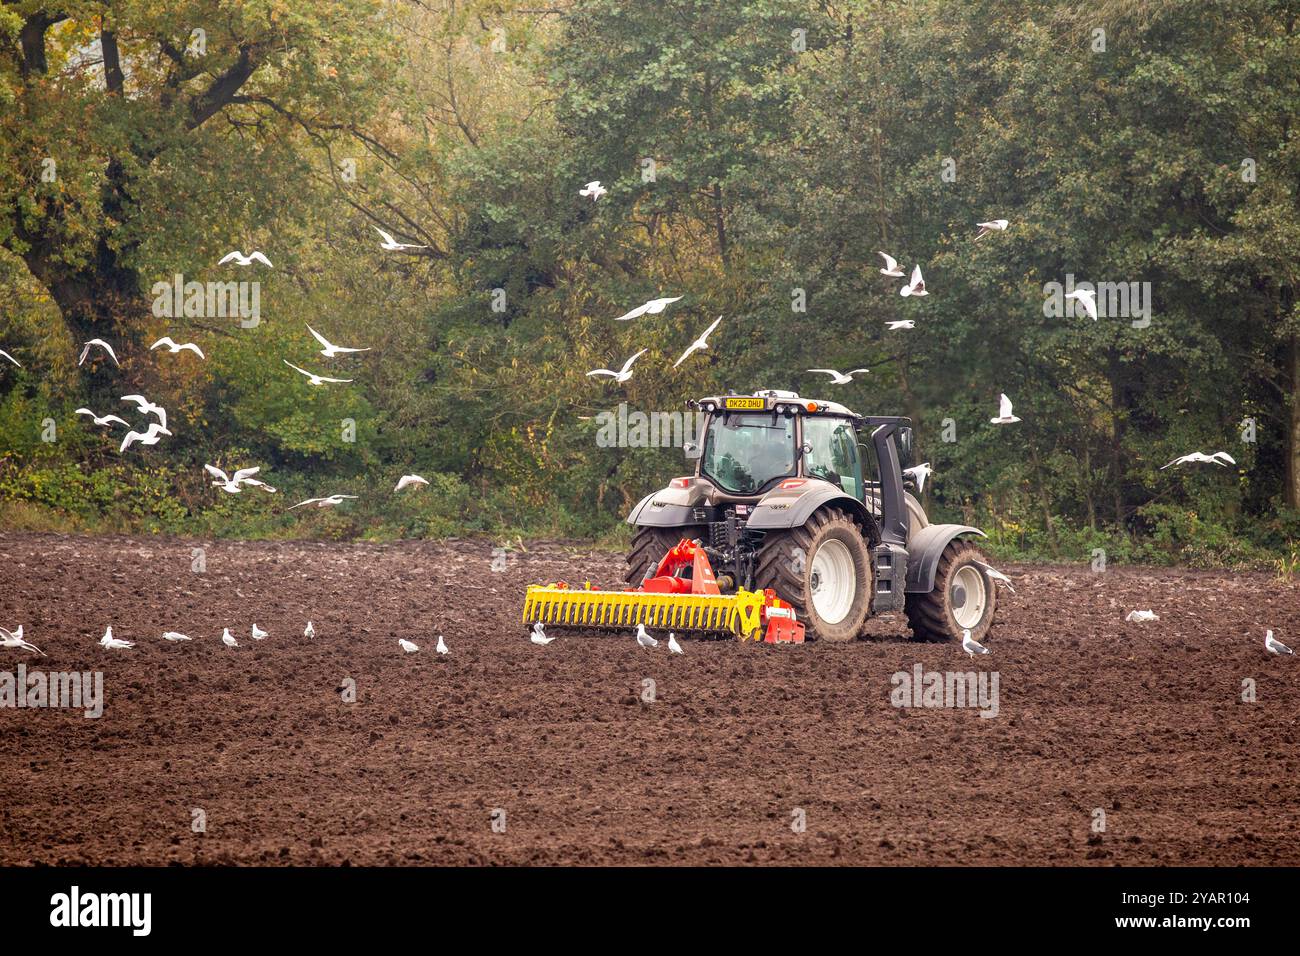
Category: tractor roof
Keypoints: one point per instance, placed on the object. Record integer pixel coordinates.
(771, 399)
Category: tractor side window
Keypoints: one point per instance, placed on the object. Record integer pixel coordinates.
(834, 456)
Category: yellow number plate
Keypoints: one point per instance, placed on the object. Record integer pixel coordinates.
(749, 404)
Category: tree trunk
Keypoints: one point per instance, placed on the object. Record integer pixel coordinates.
(1292, 442)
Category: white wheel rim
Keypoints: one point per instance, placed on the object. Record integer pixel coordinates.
(833, 581)
(968, 596)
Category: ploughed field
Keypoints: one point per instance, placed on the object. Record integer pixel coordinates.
(1144, 723)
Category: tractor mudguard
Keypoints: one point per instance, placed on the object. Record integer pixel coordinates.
(792, 507)
(666, 508)
(923, 550)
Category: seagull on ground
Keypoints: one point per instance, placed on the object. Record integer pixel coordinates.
(653, 307)
(997, 575)
(644, 639)
(151, 436)
(330, 350)
(919, 474)
(407, 646)
(392, 245)
(175, 636)
(916, 286)
(173, 347)
(894, 326)
(5, 354)
(1271, 644)
(102, 344)
(701, 343)
(1142, 617)
(407, 480)
(328, 502)
(621, 376)
(1004, 413)
(993, 225)
(15, 639)
(891, 266)
(970, 647)
(228, 639)
(841, 378)
(258, 633)
(148, 407)
(442, 646)
(1218, 458)
(316, 379)
(109, 420)
(231, 483)
(113, 643)
(673, 646)
(309, 631)
(539, 635)
(1087, 299)
(240, 259)
(593, 189)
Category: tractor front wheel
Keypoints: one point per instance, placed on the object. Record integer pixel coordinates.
(824, 570)
(963, 598)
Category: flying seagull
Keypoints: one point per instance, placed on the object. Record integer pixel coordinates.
(442, 646)
(644, 639)
(1004, 413)
(15, 639)
(673, 646)
(901, 324)
(891, 266)
(701, 343)
(148, 407)
(539, 635)
(239, 258)
(175, 636)
(997, 575)
(109, 420)
(970, 647)
(5, 354)
(1271, 644)
(113, 643)
(653, 307)
(1221, 458)
(174, 348)
(391, 244)
(330, 350)
(407, 646)
(1086, 298)
(103, 345)
(316, 379)
(406, 480)
(1142, 617)
(593, 189)
(621, 376)
(329, 502)
(916, 286)
(231, 483)
(150, 436)
(841, 378)
(919, 474)
(228, 639)
(993, 225)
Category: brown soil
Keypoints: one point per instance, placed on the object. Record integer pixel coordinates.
(1142, 721)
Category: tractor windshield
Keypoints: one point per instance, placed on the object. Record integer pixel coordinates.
(742, 453)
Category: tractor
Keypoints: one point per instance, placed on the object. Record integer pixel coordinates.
(790, 520)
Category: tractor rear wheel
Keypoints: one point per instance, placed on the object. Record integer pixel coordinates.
(649, 545)
(963, 599)
(824, 570)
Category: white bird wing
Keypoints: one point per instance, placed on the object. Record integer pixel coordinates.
(132, 437)
(307, 502)
(11, 358)
(217, 473)
(1004, 407)
(602, 371)
(703, 340)
(628, 364)
(387, 238)
(195, 349)
(829, 371)
(84, 352)
(655, 306)
(297, 369)
(165, 340)
(244, 473)
(236, 255)
(258, 257)
(1225, 456)
(1176, 461)
(320, 338)
(856, 371)
(891, 264)
(140, 400)
(326, 378)
(917, 280)
(639, 311)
